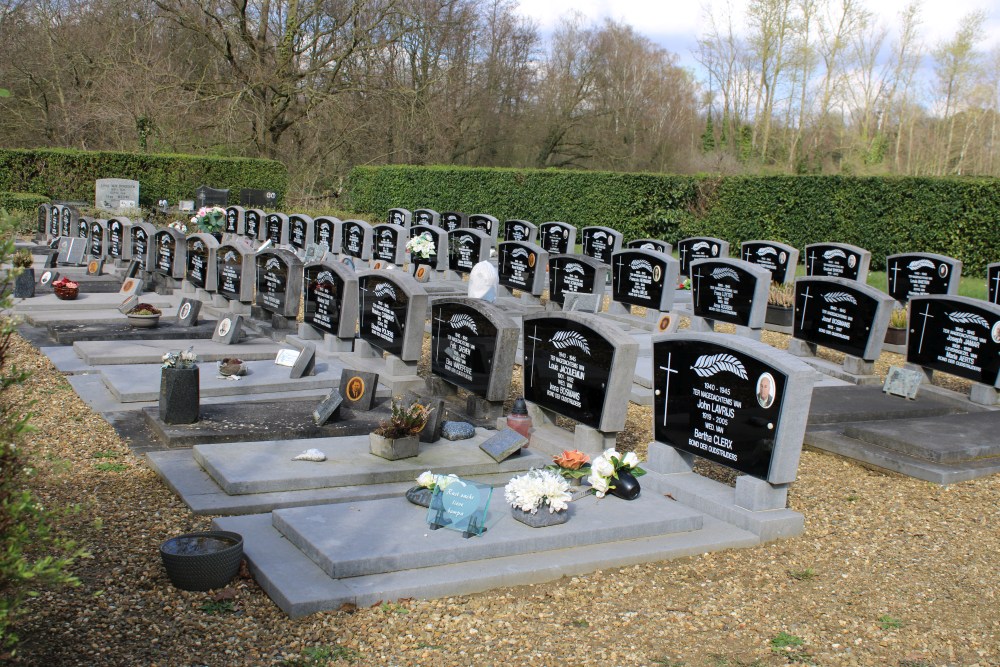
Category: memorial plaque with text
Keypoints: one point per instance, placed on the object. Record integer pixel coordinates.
(141, 240)
(200, 269)
(276, 228)
(700, 247)
(426, 216)
(778, 258)
(234, 272)
(557, 238)
(841, 314)
(451, 220)
(356, 239)
(644, 278)
(470, 345)
(522, 266)
(400, 217)
(600, 243)
(326, 233)
(168, 253)
(82, 228)
(520, 230)
(253, 223)
(921, 273)
(993, 283)
(837, 260)
(206, 196)
(331, 299)
(578, 366)
(55, 222)
(389, 243)
(117, 238)
(726, 290)
(60, 227)
(725, 402)
(234, 220)
(42, 222)
(110, 192)
(300, 230)
(572, 274)
(484, 223)
(956, 335)
(650, 244)
(96, 246)
(466, 248)
(392, 312)
(279, 282)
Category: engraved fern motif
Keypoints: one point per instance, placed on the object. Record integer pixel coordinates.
(383, 289)
(324, 277)
(466, 240)
(230, 256)
(840, 297)
(574, 268)
(600, 235)
(765, 251)
(647, 246)
(836, 252)
(563, 339)
(272, 264)
(641, 264)
(725, 272)
(459, 320)
(968, 318)
(518, 252)
(920, 264)
(700, 245)
(708, 365)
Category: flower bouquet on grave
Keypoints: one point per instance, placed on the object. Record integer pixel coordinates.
(616, 474)
(66, 289)
(421, 246)
(427, 484)
(180, 360)
(209, 219)
(179, 226)
(534, 491)
(684, 284)
(572, 465)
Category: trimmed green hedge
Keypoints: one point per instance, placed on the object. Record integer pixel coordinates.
(70, 174)
(955, 217)
(21, 201)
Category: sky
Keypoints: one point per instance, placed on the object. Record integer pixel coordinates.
(676, 24)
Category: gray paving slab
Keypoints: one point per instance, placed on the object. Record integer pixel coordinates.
(851, 403)
(65, 359)
(944, 439)
(94, 316)
(263, 467)
(87, 301)
(377, 536)
(202, 495)
(66, 333)
(300, 587)
(130, 383)
(835, 442)
(111, 353)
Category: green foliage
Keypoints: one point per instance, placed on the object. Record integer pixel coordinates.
(70, 174)
(32, 554)
(951, 216)
(26, 202)
(214, 607)
(802, 575)
(404, 421)
(887, 622)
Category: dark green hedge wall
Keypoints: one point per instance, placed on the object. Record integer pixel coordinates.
(955, 217)
(21, 201)
(70, 174)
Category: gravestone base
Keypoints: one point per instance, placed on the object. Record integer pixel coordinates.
(333, 343)
(858, 366)
(758, 495)
(549, 438)
(282, 323)
(307, 332)
(983, 395)
(480, 409)
(219, 301)
(393, 372)
(188, 289)
(708, 325)
(667, 460)
(807, 352)
(239, 308)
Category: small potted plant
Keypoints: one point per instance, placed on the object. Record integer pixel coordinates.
(66, 289)
(536, 491)
(780, 304)
(24, 274)
(179, 388)
(896, 333)
(398, 437)
(616, 474)
(427, 484)
(572, 465)
(144, 315)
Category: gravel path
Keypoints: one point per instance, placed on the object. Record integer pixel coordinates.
(890, 571)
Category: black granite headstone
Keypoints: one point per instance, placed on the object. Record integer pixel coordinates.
(644, 278)
(835, 313)
(198, 267)
(356, 238)
(600, 243)
(837, 260)
(724, 291)
(388, 243)
(957, 335)
(993, 283)
(572, 274)
(82, 228)
(272, 282)
(520, 230)
(299, 231)
(188, 311)
(276, 228)
(383, 313)
(229, 266)
(165, 249)
(451, 220)
(778, 258)
(206, 196)
(116, 238)
(253, 223)
(700, 247)
(463, 344)
(426, 216)
(326, 233)
(921, 273)
(557, 237)
(484, 223)
(234, 216)
(466, 248)
(141, 241)
(258, 198)
(96, 246)
(331, 297)
(521, 266)
(650, 244)
(400, 217)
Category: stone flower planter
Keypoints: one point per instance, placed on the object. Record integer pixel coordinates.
(393, 449)
(895, 336)
(143, 321)
(781, 316)
(541, 518)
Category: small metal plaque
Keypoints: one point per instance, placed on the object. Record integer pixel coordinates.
(903, 382)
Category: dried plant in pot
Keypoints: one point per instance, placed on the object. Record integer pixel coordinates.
(896, 333)
(780, 304)
(398, 437)
(144, 315)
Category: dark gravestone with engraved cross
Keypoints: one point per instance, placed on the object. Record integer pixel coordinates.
(235, 270)
(600, 243)
(326, 233)
(466, 248)
(520, 230)
(331, 298)
(279, 282)
(700, 247)
(473, 346)
(957, 335)
(573, 274)
(730, 290)
(356, 239)
(921, 273)
(841, 314)
(557, 238)
(644, 278)
(778, 258)
(392, 312)
(253, 223)
(169, 253)
(389, 243)
(201, 257)
(522, 266)
(837, 260)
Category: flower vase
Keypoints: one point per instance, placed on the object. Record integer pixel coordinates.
(626, 486)
(541, 518)
(179, 395)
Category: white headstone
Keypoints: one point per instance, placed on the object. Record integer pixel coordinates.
(116, 194)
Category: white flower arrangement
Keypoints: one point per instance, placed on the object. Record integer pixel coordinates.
(179, 226)
(605, 467)
(535, 488)
(422, 246)
(429, 480)
(185, 359)
(209, 218)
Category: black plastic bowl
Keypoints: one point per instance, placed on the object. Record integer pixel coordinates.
(202, 561)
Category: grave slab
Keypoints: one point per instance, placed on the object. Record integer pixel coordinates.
(947, 439)
(67, 334)
(300, 587)
(245, 421)
(266, 467)
(87, 301)
(338, 538)
(105, 353)
(130, 383)
(833, 405)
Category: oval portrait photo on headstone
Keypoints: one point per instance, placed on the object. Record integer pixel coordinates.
(186, 310)
(851, 261)
(995, 333)
(765, 390)
(531, 260)
(943, 270)
(224, 326)
(664, 323)
(355, 388)
(128, 284)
